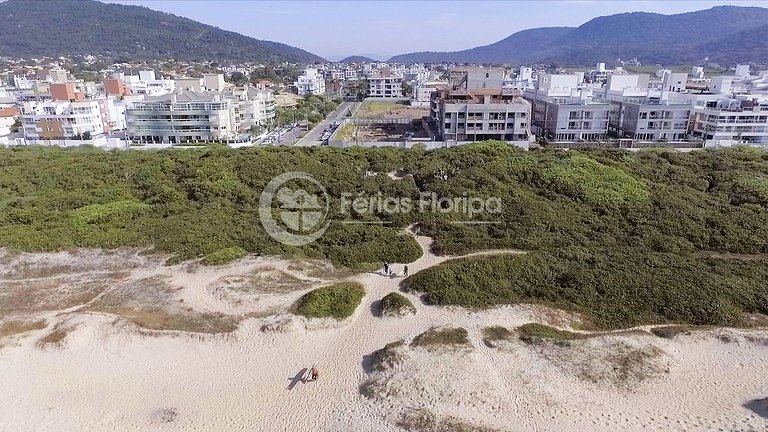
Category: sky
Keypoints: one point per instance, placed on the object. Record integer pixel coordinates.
(336, 29)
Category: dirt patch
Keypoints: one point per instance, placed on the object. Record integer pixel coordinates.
(606, 360)
(390, 110)
(12, 328)
(53, 339)
(422, 420)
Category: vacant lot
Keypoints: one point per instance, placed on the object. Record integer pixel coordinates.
(390, 110)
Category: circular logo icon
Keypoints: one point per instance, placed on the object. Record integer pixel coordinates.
(299, 218)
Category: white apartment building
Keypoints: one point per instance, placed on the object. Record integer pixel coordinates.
(66, 119)
(253, 106)
(186, 117)
(482, 114)
(650, 119)
(563, 112)
(311, 82)
(385, 85)
(145, 84)
(422, 94)
(7, 119)
(731, 121)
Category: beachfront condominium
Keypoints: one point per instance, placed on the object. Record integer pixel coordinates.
(310, 83)
(59, 119)
(253, 106)
(482, 114)
(644, 114)
(731, 121)
(184, 117)
(562, 111)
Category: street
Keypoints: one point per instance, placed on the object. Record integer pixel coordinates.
(312, 138)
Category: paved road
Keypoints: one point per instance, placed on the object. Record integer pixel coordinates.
(312, 138)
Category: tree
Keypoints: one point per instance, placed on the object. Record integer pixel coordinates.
(237, 78)
(407, 89)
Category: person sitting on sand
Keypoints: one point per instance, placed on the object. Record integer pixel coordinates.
(313, 373)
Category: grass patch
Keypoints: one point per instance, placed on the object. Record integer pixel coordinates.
(396, 304)
(584, 178)
(336, 301)
(496, 333)
(224, 256)
(532, 332)
(191, 322)
(442, 337)
(11, 328)
(347, 132)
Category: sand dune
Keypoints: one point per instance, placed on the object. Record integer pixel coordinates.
(108, 374)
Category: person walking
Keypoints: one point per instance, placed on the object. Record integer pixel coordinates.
(386, 268)
(405, 271)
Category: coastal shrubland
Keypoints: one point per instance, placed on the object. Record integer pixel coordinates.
(626, 238)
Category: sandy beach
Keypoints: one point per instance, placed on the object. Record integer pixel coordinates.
(100, 359)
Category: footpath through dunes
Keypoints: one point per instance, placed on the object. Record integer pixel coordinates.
(105, 375)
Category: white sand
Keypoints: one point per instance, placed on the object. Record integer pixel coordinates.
(108, 376)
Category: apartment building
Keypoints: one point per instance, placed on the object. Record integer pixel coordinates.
(649, 119)
(563, 112)
(7, 120)
(482, 114)
(422, 94)
(253, 106)
(145, 84)
(70, 119)
(310, 83)
(730, 121)
(471, 78)
(185, 117)
(384, 84)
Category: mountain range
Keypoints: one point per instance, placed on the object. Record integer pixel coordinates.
(726, 34)
(70, 27)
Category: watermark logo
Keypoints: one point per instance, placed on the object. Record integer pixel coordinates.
(289, 213)
(294, 208)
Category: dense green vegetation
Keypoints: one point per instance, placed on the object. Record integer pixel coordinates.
(612, 288)
(223, 256)
(123, 31)
(395, 304)
(624, 237)
(336, 301)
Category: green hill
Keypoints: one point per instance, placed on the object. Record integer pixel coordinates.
(69, 27)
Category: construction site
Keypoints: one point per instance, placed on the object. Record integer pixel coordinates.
(386, 121)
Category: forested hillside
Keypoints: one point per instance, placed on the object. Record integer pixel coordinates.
(67, 27)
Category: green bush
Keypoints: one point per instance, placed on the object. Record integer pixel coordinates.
(441, 337)
(612, 288)
(336, 301)
(108, 212)
(395, 304)
(532, 331)
(223, 256)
